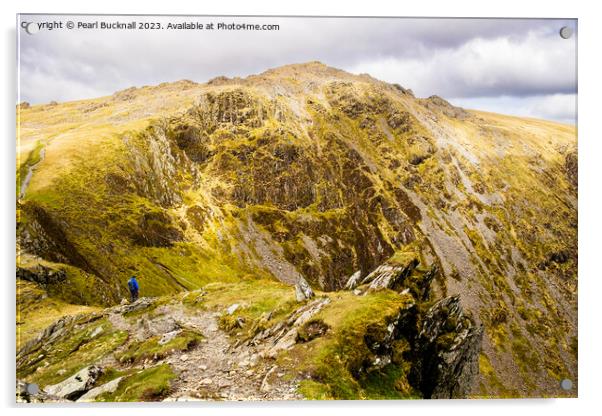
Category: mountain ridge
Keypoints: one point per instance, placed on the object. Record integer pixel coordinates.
(308, 171)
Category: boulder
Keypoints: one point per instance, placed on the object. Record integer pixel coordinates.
(233, 308)
(141, 303)
(75, 386)
(168, 336)
(303, 290)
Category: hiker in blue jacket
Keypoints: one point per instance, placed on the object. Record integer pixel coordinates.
(134, 288)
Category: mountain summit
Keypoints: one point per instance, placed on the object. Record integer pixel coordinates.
(456, 228)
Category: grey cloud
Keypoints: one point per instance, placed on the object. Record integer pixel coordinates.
(538, 63)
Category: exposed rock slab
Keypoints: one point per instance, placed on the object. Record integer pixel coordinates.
(108, 387)
(389, 276)
(354, 280)
(76, 385)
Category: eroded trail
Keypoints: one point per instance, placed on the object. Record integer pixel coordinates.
(215, 370)
(30, 170)
(198, 358)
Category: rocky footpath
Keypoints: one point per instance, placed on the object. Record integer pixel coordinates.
(210, 368)
(193, 346)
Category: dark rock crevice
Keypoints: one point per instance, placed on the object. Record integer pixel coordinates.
(446, 351)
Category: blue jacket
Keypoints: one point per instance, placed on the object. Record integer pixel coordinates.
(133, 284)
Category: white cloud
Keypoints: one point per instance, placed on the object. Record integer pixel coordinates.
(557, 107)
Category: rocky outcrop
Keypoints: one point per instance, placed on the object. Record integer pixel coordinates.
(285, 334)
(193, 142)
(27, 356)
(303, 290)
(442, 344)
(140, 304)
(436, 103)
(231, 107)
(399, 277)
(45, 235)
(443, 347)
(155, 160)
(41, 275)
(389, 276)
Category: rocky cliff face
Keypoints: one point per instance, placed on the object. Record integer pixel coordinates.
(447, 351)
(308, 172)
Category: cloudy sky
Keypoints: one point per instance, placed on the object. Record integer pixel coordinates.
(509, 66)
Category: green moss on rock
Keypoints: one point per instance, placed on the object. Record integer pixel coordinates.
(151, 384)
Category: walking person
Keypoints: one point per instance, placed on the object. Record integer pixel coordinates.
(134, 288)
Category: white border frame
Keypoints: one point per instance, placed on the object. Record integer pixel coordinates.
(590, 140)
